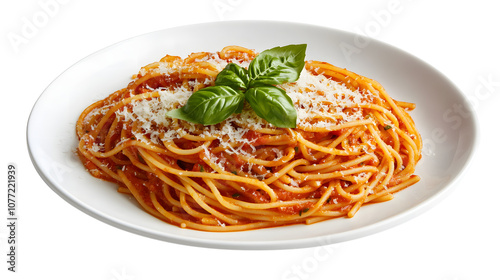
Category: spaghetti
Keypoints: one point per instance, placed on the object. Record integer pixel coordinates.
(353, 145)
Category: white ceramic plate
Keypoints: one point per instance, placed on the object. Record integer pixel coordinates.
(449, 134)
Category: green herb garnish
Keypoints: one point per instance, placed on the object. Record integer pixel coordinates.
(235, 195)
(387, 127)
(257, 85)
(303, 211)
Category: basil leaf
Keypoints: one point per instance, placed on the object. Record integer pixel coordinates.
(234, 76)
(277, 65)
(210, 105)
(273, 105)
(181, 115)
(234, 84)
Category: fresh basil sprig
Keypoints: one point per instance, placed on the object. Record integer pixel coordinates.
(257, 85)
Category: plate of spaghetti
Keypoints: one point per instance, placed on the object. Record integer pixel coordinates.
(275, 135)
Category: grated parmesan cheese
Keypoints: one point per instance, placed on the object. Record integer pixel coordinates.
(314, 96)
(318, 96)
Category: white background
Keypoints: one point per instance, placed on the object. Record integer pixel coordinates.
(456, 240)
